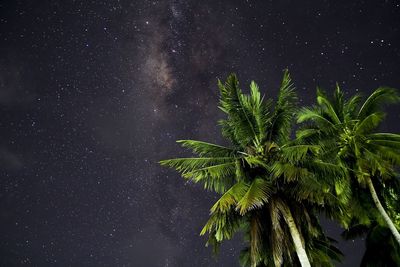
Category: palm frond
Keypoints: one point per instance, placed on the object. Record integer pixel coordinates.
(260, 111)
(350, 107)
(204, 149)
(284, 111)
(223, 225)
(230, 198)
(287, 171)
(313, 114)
(216, 173)
(382, 95)
(384, 136)
(338, 102)
(324, 102)
(240, 126)
(323, 168)
(295, 153)
(257, 194)
(386, 143)
(369, 123)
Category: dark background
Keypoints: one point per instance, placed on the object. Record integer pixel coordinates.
(94, 93)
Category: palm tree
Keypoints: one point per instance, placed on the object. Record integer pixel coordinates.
(349, 129)
(271, 186)
(381, 246)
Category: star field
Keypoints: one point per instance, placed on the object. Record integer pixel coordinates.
(94, 93)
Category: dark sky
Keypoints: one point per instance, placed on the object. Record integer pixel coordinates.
(94, 93)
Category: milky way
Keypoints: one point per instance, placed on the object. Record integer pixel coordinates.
(94, 93)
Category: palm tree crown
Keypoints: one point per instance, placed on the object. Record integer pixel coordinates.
(349, 127)
(271, 186)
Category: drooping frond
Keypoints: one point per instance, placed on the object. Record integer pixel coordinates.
(287, 171)
(257, 194)
(384, 136)
(277, 235)
(322, 168)
(389, 154)
(223, 225)
(255, 240)
(230, 198)
(369, 123)
(313, 114)
(295, 153)
(381, 96)
(306, 133)
(216, 173)
(373, 163)
(386, 143)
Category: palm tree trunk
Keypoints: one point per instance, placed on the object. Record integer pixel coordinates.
(298, 244)
(382, 211)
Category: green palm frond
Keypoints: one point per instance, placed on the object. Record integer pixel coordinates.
(240, 124)
(386, 153)
(323, 168)
(257, 194)
(223, 225)
(230, 92)
(375, 165)
(369, 123)
(230, 198)
(204, 149)
(295, 153)
(323, 101)
(313, 114)
(382, 95)
(287, 171)
(284, 111)
(350, 107)
(260, 111)
(384, 136)
(308, 133)
(216, 173)
(338, 102)
(389, 144)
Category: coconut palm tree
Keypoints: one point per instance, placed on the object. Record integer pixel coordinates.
(271, 186)
(349, 128)
(381, 246)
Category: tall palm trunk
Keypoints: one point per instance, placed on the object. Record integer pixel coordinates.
(382, 211)
(298, 244)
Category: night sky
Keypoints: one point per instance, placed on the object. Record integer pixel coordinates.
(94, 93)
